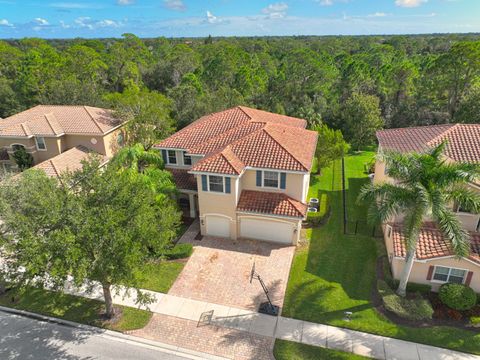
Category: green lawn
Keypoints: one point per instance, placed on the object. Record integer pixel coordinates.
(287, 350)
(160, 276)
(336, 272)
(75, 308)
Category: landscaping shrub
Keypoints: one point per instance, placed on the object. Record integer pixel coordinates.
(457, 296)
(411, 309)
(179, 251)
(475, 321)
(319, 217)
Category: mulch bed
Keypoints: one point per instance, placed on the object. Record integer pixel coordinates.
(442, 316)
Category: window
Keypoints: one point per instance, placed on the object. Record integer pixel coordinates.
(40, 143)
(17, 147)
(215, 183)
(270, 179)
(187, 159)
(451, 275)
(172, 157)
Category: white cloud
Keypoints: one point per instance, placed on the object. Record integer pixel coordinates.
(107, 23)
(73, 5)
(4, 22)
(64, 25)
(325, 2)
(377, 14)
(175, 5)
(409, 3)
(125, 2)
(212, 19)
(89, 23)
(276, 11)
(41, 22)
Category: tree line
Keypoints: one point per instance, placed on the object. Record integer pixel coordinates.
(354, 84)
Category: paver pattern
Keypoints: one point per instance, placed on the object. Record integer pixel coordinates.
(219, 341)
(219, 272)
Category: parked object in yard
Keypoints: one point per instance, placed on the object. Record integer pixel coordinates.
(312, 209)
(314, 202)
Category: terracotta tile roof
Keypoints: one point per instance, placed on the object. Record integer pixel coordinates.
(431, 243)
(239, 137)
(261, 202)
(70, 160)
(463, 140)
(183, 179)
(4, 155)
(55, 120)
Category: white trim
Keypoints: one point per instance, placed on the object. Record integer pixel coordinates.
(448, 276)
(214, 174)
(277, 218)
(44, 143)
(447, 257)
(217, 214)
(223, 185)
(276, 169)
(255, 214)
(271, 187)
(16, 137)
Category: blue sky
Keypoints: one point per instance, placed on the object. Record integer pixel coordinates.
(174, 18)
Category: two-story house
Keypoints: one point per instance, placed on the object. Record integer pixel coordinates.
(59, 137)
(435, 262)
(245, 173)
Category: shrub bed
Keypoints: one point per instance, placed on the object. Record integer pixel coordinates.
(457, 296)
(179, 251)
(319, 217)
(416, 308)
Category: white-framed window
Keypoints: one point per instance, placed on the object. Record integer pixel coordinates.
(172, 156)
(187, 159)
(215, 183)
(40, 141)
(451, 275)
(271, 179)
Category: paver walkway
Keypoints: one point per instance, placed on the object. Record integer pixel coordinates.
(204, 314)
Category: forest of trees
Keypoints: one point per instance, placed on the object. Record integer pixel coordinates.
(355, 84)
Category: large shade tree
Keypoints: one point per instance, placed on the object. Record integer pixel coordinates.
(427, 186)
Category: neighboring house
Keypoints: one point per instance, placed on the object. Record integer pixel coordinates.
(435, 263)
(245, 172)
(59, 137)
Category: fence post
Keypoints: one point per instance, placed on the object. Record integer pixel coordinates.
(344, 197)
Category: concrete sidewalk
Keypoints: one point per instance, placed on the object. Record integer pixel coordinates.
(374, 346)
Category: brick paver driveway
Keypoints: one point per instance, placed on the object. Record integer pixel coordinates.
(219, 271)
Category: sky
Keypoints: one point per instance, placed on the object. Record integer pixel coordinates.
(198, 18)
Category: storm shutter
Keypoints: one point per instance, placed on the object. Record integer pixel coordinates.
(164, 156)
(204, 183)
(227, 185)
(259, 178)
(469, 278)
(430, 273)
(283, 180)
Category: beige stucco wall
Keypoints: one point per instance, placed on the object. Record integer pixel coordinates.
(102, 145)
(294, 184)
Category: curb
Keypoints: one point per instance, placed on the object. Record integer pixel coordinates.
(118, 336)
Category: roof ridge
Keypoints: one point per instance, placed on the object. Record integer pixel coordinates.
(283, 147)
(26, 129)
(415, 127)
(93, 119)
(54, 167)
(246, 113)
(447, 131)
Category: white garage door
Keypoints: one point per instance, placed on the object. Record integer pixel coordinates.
(218, 226)
(275, 231)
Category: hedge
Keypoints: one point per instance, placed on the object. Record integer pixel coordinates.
(179, 251)
(319, 217)
(457, 296)
(410, 309)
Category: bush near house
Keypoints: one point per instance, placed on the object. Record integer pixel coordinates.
(457, 296)
(417, 308)
(179, 251)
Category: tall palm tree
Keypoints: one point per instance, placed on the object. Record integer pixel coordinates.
(426, 187)
(136, 158)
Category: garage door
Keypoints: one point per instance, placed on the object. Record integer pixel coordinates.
(275, 231)
(218, 226)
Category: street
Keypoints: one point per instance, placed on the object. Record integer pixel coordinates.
(24, 338)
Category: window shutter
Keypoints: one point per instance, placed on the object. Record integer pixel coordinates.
(283, 180)
(204, 183)
(430, 273)
(469, 278)
(227, 185)
(259, 177)
(164, 156)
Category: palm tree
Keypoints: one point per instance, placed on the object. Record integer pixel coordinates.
(136, 158)
(426, 187)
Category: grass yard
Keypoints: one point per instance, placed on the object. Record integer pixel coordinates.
(160, 276)
(75, 308)
(287, 350)
(336, 272)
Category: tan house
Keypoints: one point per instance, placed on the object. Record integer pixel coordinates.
(59, 137)
(435, 263)
(245, 173)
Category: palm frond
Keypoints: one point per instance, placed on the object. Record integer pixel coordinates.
(453, 231)
(466, 197)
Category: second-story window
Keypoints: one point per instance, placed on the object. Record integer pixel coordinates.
(187, 159)
(215, 183)
(40, 143)
(271, 179)
(172, 157)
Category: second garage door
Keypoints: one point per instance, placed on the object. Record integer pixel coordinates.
(218, 226)
(261, 229)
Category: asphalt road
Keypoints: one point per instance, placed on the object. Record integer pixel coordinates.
(24, 338)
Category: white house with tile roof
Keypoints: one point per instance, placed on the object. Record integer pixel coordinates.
(435, 263)
(245, 172)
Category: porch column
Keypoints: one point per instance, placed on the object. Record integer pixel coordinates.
(193, 211)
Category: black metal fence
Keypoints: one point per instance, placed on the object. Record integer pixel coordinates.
(362, 227)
